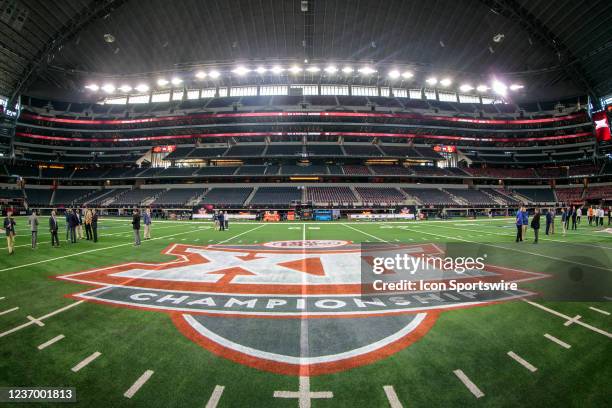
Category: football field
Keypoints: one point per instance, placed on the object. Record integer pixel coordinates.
(190, 319)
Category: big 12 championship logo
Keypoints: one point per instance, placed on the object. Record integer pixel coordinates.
(290, 307)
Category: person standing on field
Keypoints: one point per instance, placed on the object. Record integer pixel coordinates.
(33, 222)
(67, 216)
(9, 229)
(549, 220)
(525, 223)
(535, 224)
(94, 224)
(147, 223)
(53, 227)
(79, 225)
(563, 218)
(88, 216)
(136, 226)
(519, 225)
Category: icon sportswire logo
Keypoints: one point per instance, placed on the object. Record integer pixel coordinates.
(282, 306)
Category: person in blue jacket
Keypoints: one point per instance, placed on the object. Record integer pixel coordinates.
(519, 225)
(525, 222)
(549, 220)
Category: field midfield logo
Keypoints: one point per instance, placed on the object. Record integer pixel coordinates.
(265, 305)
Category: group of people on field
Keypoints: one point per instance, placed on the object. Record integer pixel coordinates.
(75, 220)
(146, 221)
(221, 220)
(570, 219)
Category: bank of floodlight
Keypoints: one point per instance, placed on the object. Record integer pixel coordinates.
(394, 74)
(367, 70)
(241, 70)
(142, 88)
(108, 88)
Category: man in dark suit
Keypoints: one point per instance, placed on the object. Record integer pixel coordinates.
(535, 224)
(53, 227)
(94, 224)
(73, 221)
(136, 226)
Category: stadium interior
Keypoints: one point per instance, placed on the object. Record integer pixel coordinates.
(419, 120)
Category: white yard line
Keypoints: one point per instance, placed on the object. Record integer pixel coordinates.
(543, 237)
(9, 311)
(556, 340)
(100, 236)
(468, 383)
(213, 401)
(50, 342)
(364, 233)
(35, 321)
(138, 384)
(239, 235)
(30, 322)
(85, 362)
(603, 312)
(569, 319)
(522, 361)
(394, 401)
(508, 248)
(93, 250)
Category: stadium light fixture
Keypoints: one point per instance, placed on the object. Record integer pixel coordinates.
(313, 69)
(407, 74)
(241, 70)
(92, 87)
(295, 69)
(331, 69)
(516, 87)
(214, 74)
(466, 88)
(499, 87)
(176, 81)
(277, 69)
(162, 82)
(347, 70)
(125, 88)
(108, 88)
(260, 70)
(394, 74)
(366, 70)
(200, 74)
(445, 82)
(431, 81)
(482, 88)
(142, 88)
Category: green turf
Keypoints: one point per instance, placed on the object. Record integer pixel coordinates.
(474, 340)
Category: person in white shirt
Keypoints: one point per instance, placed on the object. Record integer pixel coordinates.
(579, 214)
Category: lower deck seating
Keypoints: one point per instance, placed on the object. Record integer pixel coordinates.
(37, 196)
(569, 195)
(276, 195)
(69, 196)
(431, 196)
(177, 196)
(227, 196)
(330, 195)
(135, 197)
(377, 195)
(537, 195)
(473, 197)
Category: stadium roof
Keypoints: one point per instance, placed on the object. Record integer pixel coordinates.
(556, 49)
